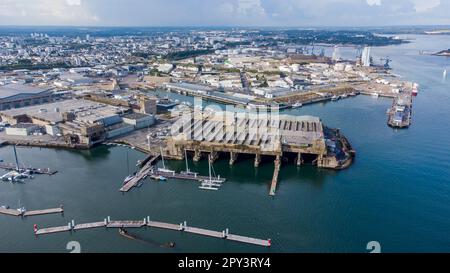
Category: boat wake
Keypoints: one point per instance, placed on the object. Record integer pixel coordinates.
(134, 237)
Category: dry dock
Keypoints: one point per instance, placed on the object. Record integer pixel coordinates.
(182, 227)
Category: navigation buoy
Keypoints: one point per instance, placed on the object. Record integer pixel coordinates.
(35, 228)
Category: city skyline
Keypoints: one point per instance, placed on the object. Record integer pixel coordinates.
(243, 13)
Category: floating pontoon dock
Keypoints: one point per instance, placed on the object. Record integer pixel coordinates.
(142, 174)
(148, 169)
(183, 227)
(16, 212)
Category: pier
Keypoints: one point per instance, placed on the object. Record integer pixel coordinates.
(53, 230)
(89, 225)
(140, 175)
(146, 222)
(399, 116)
(10, 212)
(17, 212)
(175, 175)
(148, 170)
(43, 212)
(276, 172)
(30, 170)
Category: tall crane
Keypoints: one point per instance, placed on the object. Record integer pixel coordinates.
(386, 61)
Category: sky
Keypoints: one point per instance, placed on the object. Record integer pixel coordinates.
(292, 13)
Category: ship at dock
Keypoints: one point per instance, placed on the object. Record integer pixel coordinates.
(399, 116)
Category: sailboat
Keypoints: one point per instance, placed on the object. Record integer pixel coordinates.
(21, 210)
(16, 175)
(212, 183)
(163, 169)
(188, 171)
(131, 176)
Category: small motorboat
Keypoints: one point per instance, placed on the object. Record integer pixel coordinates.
(158, 178)
(297, 105)
(128, 179)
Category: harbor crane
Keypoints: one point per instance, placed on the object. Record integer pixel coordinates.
(386, 61)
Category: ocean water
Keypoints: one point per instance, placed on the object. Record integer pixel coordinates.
(397, 192)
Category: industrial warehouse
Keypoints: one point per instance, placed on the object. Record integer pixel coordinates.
(78, 121)
(20, 95)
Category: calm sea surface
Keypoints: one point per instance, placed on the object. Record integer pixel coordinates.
(397, 192)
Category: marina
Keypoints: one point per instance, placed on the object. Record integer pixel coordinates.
(316, 209)
(16, 173)
(162, 174)
(183, 227)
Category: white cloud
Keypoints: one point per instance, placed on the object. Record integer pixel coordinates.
(45, 12)
(224, 12)
(374, 2)
(226, 8)
(425, 5)
(250, 7)
(74, 2)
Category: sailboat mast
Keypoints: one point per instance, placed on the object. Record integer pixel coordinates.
(162, 157)
(209, 164)
(128, 163)
(185, 157)
(15, 156)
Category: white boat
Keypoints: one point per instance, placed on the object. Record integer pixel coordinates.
(415, 89)
(21, 210)
(131, 176)
(188, 171)
(211, 188)
(128, 179)
(163, 169)
(297, 105)
(375, 95)
(212, 183)
(444, 74)
(335, 98)
(158, 178)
